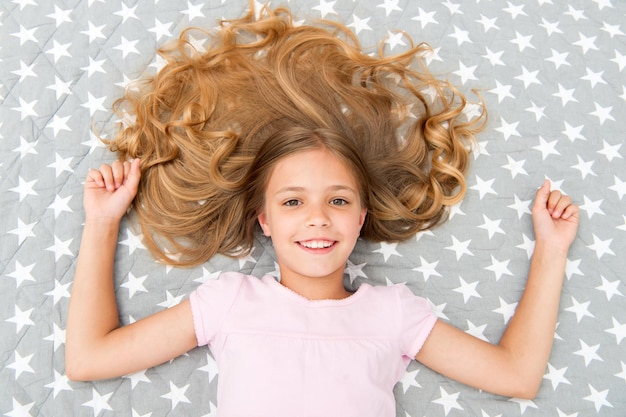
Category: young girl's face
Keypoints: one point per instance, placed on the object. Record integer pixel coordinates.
(313, 214)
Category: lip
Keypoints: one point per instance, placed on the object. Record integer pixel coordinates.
(317, 246)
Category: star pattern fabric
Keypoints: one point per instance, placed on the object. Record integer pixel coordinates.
(553, 77)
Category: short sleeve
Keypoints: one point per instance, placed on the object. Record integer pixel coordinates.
(210, 303)
(418, 319)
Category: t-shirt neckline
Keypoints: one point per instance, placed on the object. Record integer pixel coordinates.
(289, 293)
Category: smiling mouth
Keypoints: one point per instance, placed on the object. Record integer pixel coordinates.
(317, 244)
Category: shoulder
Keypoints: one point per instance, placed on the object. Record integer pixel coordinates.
(399, 298)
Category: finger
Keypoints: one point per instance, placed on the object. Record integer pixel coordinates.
(118, 173)
(95, 176)
(134, 175)
(571, 211)
(561, 205)
(107, 176)
(553, 199)
(542, 195)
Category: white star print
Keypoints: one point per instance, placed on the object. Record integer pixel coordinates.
(588, 352)
(508, 129)
(556, 376)
(94, 67)
(325, 8)
(24, 188)
(573, 133)
(390, 6)
(427, 268)
(522, 42)
(176, 395)
(598, 398)
(610, 151)
(26, 109)
(499, 268)
(60, 87)
(57, 337)
(507, 310)
(408, 380)
(394, 39)
(387, 249)
(550, 27)
(134, 284)
(468, 290)
(99, 402)
(94, 32)
(20, 410)
(60, 248)
(610, 288)
(601, 247)
(61, 383)
(354, 271)
(137, 377)
(210, 368)
(424, 17)
(491, 226)
(618, 330)
(59, 124)
(461, 36)
(60, 16)
(602, 113)
(580, 309)
(502, 91)
(546, 148)
(359, 24)
(59, 51)
(592, 207)
(21, 364)
(523, 404)
(488, 23)
(133, 241)
(25, 71)
(528, 78)
(466, 73)
(586, 43)
(127, 13)
(460, 248)
(448, 401)
(59, 292)
(26, 35)
(194, 10)
(483, 187)
(23, 231)
(127, 47)
(495, 58)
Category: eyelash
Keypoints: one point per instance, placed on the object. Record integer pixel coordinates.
(335, 202)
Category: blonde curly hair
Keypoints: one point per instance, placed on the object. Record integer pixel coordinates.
(211, 124)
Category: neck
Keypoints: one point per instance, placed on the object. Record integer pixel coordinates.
(316, 288)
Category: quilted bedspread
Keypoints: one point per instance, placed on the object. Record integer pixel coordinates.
(553, 76)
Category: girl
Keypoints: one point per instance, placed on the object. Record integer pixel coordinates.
(302, 168)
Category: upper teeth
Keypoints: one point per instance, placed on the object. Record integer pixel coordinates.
(317, 244)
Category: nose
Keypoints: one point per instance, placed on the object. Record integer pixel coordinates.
(317, 216)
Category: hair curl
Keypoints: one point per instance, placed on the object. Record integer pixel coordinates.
(200, 123)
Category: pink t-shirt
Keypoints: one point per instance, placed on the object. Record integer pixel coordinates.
(280, 354)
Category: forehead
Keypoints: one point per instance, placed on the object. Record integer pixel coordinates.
(312, 168)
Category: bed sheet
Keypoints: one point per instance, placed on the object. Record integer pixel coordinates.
(552, 74)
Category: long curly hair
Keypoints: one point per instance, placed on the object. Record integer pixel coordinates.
(210, 125)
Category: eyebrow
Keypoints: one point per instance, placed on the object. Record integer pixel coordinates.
(291, 189)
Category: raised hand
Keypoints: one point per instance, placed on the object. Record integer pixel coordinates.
(555, 218)
(110, 189)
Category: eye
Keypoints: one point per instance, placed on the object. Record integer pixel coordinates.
(292, 203)
(338, 202)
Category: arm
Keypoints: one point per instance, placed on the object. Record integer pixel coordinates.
(515, 367)
(96, 346)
